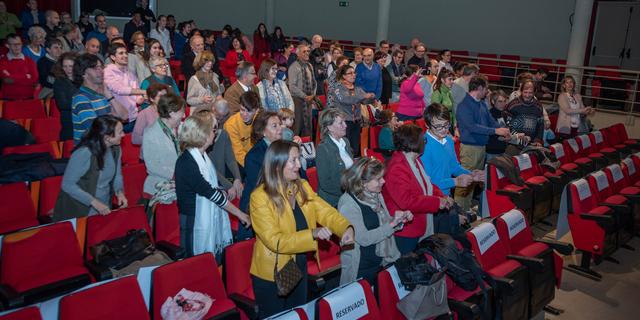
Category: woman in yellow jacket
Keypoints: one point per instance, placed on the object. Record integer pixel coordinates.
(285, 213)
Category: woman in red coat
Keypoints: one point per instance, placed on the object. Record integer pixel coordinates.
(236, 54)
(408, 187)
(261, 45)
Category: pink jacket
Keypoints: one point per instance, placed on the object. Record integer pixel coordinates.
(120, 82)
(411, 98)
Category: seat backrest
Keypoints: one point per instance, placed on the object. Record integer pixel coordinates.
(610, 136)
(600, 185)
(597, 140)
(198, 273)
(558, 151)
(581, 199)
(571, 148)
(23, 109)
(390, 290)
(615, 174)
(508, 63)
(353, 301)
(374, 133)
(585, 145)
(67, 148)
(312, 175)
(237, 262)
(527, 165)
(130, 151)
(29, 257)
(28, 313)
(630, 170)
(133, 177)
(621, 130)
(33, 148)
(16, 209)
(514, 230)
(114, 225)
(167, 223)
(486, 245)
(49, 189)
(118, 299)
(46, 130)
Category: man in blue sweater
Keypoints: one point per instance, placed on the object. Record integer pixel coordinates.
(369, 74)
(475, 125)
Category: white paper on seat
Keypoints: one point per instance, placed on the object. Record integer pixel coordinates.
(515, 222)
(598, 137)
(348, 302)
(559, 150)
(616, 172)
(573, 144)
(630, 166)
(486, 236)
(524, 161)
(586, 143)
(601, 180)
(395, 278)
(499, 173)
(583, 189)
(144, 282)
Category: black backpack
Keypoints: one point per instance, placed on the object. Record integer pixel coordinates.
(413, 269)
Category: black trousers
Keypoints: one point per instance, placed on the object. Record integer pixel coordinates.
(266, 292)
(353, 135)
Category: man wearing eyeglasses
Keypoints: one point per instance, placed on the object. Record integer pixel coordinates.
(18, 73)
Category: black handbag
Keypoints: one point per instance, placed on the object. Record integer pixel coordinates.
(120, 252)
(288, 277)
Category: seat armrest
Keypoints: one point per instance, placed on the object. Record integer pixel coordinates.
(99, 272)
(174, 252)
(505, 285)
(563, 247)
(464, 309)
(509, 193)
(247, 305)
(557, 179)
(632, 197)
(10, 297)
(618, 208)
(532, 263)
(604, 221)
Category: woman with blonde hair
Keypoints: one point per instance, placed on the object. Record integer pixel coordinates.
(204, 87)
(204, 224)
(362, 204)
(572, 112)
(285, 213)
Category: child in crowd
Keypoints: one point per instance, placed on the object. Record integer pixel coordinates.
(287, 118)
(389, 123)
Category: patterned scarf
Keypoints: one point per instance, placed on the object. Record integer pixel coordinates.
(273, 95)
(169, 134)
(309, 80)
(206, 80)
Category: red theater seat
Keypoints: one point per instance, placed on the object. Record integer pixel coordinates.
(357, 295)
(119, 299)
(237, 261)
(198, 273)
(17, 211)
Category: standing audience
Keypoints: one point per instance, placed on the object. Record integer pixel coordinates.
(302, 85)
(274, 94)
(63, 92)
(245, 73)
(333, 155)
(204, 86)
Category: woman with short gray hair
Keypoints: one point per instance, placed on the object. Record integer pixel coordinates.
(35, 49)
(362, 204)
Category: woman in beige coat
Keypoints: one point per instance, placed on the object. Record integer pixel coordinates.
(572, 110)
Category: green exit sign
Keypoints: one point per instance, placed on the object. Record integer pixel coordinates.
(344, 3)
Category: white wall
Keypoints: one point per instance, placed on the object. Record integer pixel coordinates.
(528, 28)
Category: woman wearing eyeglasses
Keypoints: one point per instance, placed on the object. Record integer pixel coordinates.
(204, 87)
(274, 94)
(160, 73)
(347, 97)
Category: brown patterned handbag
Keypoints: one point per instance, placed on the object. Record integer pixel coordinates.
(288, 277)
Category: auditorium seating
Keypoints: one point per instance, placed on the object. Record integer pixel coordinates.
(535, 180)
(237, 261)
(586, 150)
(28, 313)
(17, 210)
(566, 164)
(118, 299)
(312, 175)
(49, 189)
(166, 226)
(198, 273)
(133, 177)
(502, 195)
(511, 276)
(41, 263)
(593, 227)
(352, 301)
(23, 109)
(572, 148)
(46, 129)
(130, 151)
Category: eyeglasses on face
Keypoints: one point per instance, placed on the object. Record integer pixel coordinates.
(441, 127)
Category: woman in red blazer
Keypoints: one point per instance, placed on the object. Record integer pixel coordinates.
(236, 54)
(408, 187)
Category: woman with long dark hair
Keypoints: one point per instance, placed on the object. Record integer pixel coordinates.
(285, 213)
(94, 173)
(63, 92)
(277, 40)
(261, 44)
(236, 54)
(162, 34)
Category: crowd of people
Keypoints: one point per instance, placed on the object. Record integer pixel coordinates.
(250, 100)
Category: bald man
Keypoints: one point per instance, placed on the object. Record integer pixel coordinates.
(93, 47)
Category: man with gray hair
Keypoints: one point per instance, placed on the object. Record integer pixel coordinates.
(316, 41)
(460, 86)
(302, 85)
(245, 74)
(222, 155)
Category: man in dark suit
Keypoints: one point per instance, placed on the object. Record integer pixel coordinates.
(245, 73)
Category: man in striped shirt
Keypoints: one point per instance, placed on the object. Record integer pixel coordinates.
(89, 102)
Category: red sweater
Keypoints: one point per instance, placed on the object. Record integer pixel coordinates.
(25, 77)
(230, 64)
(401, 191)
